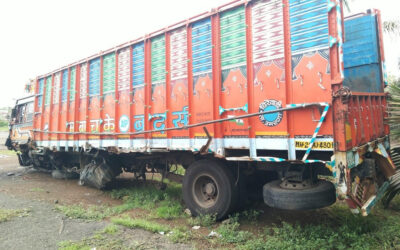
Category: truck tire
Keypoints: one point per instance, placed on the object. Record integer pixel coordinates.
(209, 188)
(321, 195)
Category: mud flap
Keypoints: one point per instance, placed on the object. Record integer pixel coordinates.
(386, 166)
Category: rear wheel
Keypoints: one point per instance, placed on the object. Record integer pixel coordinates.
(209, 188)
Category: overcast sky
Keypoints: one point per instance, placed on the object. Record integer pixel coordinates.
(39, 36)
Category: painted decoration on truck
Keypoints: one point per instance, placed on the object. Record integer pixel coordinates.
(94, 77)
(41, 88)
(269, 90)
(109, 73)
(83, 81)
(234, 71)
(157, 114)
(267, 31)
(311, 76)
(64, 86)
(202, 109)
(56, 89)
(179, 99)
(48, 90)
(123, 69)
(308, 25)
(72, 83)
(138, 64)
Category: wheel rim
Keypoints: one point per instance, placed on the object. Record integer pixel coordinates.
(205, 191)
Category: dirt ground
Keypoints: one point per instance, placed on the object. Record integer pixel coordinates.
(44, 227)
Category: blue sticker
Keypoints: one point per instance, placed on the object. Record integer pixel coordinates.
(124, 124)
(270, 119)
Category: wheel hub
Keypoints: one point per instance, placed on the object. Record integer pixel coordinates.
(205, 191)
(209, 189)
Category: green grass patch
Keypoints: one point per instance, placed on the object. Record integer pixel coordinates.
(179, 235)
(89, 213)
(206, 220)
(37, 189)
(8, 152)
(4, 128)
(141, 223)
(169, 210)
(111, 229)
(8, 214)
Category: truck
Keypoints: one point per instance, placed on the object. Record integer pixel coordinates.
(263, 97)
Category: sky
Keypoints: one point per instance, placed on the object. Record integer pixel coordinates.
(37, 37)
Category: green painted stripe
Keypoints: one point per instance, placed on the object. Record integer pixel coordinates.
(109, 73)
(233, 37)
(158, 69)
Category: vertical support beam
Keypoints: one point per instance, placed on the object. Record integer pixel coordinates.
(167, 87)
(216, 65)
(288, 78)
(77, 102)
(68, 108)
(101, 99)
(116, 98)
(43, 105)
(51, 107)
(59, 107)
(87, 101)
(190, 78)
(131, 120)
(36, 109)
(250, 79)
(147, 87)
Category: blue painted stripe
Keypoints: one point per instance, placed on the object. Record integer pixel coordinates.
(94, 77)
(138, 64)
(201, 46)
(64, 86)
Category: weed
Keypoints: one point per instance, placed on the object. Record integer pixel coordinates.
(70, 245)
(140, 223)
(90, 213)
(37, 189)
(251, 215)
(8, 152)
(230, 233)
(206, 220)
(7, 214)
(179, 235)
(110, 229)
(169, 210)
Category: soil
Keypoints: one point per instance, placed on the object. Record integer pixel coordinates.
(44, 227)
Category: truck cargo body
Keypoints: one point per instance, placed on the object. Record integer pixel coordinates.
(262, 85)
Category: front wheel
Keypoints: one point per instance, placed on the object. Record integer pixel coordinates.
(209, 188)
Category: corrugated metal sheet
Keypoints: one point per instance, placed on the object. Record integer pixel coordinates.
(72, 80)
(83, 80)
(123, 69)
(233, 38)
(109, 73)
(201, 47)
(48, 91)
(41, 88)
(178, 58)
(57, 83)
(309, 25)
(267, 25)
(361, 46)
(158, 59)
(138, 64)
(94, 77)
(64, 86)
(363, 71)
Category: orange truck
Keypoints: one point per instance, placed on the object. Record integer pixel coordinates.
(264, 97)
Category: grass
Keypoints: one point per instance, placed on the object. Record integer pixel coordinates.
(8, 152)
(108, 238)
(206, 220)
(141, 223)
(37, 189)
(4, 129)
(8, 214)
(89, 213)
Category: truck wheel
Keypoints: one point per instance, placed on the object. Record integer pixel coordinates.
(209, 188)
(321, 195)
